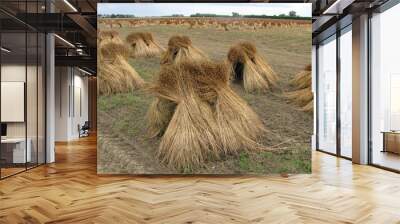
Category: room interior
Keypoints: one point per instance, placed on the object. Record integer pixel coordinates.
(25, 68)
(340, 54)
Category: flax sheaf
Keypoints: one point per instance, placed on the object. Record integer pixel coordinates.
(302, 94)
(180, 48)
(143, 44)
(198, 116)
(257, 74)
(115, 74)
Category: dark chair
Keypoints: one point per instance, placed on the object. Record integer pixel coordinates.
(84, 130)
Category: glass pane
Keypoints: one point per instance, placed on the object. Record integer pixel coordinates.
(327, 96)
(346, 93)
(13, 88)
(31, 98)
(41, 98)
(385, 89)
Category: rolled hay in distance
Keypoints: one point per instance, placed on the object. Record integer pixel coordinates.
(115, 74)
(302, 94)
(224, 26)
(208, 118)
(180, 48)
(143, 45)
(250, 68)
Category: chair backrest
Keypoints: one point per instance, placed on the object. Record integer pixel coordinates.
(86, 125)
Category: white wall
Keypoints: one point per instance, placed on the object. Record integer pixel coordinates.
(62, 82)
(70, 83)
(13, 101)
(13, 72)
(79, 117)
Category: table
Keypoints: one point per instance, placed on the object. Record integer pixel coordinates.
(18, 150)
(391, 141)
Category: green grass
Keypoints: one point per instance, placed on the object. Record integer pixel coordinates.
(126, 107)
(285, 161)
(146, 67)
(244, 161)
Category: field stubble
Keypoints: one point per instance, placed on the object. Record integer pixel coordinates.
(288, 50)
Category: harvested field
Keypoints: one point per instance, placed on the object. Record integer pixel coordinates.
(124, 146)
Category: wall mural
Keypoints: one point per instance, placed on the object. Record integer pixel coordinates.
(211, 89)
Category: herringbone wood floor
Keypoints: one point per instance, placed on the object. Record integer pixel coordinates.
(69, 191)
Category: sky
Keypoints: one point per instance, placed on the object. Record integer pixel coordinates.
(167, 9)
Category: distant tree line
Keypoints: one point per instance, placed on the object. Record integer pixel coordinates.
(116, 16)
(290, 15)
(282, 16)
(207, 15)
